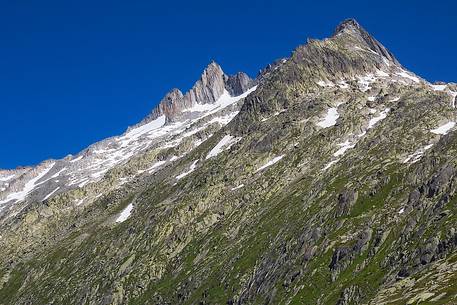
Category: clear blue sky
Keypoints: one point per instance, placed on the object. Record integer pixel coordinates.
(74, 72)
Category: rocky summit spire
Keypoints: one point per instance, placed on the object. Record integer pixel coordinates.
(349, 24)
(239, 83)
(352, 27)
(207, 90)
(169, 105)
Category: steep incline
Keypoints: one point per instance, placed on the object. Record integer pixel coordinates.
(334, 184)
(177, 118)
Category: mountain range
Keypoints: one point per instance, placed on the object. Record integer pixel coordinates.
(330, 178)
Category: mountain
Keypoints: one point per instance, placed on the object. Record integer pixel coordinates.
(329, 179)
(211, 103)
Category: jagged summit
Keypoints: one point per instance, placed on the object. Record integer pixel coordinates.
(207, 90)
(352, 27)
(349, 53)
(332, 181)
(349, 58)
(349, 24)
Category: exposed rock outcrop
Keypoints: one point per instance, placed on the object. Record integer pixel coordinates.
(207, 90)
(327, 184)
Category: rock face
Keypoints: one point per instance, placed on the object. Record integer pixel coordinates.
(207, 90)
(170, 106)
(330, 179)
(239, 83)
(166, 123)
(352, 27)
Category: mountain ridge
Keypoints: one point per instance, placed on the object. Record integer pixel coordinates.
(207, 89)
(175, 109)
(331, 181)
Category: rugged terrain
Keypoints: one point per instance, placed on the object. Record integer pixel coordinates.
(329, 179)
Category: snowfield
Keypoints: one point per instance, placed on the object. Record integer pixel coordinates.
(325, 83)
(407, 75)
(365, 81)
(91, 165)
(222, 102)
(417, 155)
(344, 146)
(191, 169)
(378, 118)
(443, 129)
(439, 87)
(125, 213)
(28, 187)
(270, 163)
(328, 165)
(330, 118)
(237, 187)
(51, 193)
(224, 144)
(7, 178)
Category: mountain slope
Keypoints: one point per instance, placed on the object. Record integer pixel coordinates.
(177, 118)
(334, 184)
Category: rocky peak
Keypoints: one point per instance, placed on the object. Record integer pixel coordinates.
(349, 53)
(239, 83)
(352, 158)
(170, 104)
(353, 28)
(207, 90)
(348, 25)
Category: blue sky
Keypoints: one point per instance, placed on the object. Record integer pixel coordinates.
(75, 72)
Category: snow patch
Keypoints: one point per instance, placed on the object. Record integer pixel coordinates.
(51, 193)
(7, 178)
(439, 87)
(443, 129)
(224, 120)
(174, 158)
(270, 163)
(328, 165)
(344, 147)
(330, 118)
(125, 213)
(222, 102)
(343, 85)
(152, 168)
(28, 187)
(417, 155)
(365, 50)
(386, 61)
(378, 118)
(77, 159)
(137, 132)
(365, 82)
(123, 180)
(224, 144)
(237, 187)
(454, 97)
(58, 173)
(191, 169)
(405, 74)
(381, 73)
(83, 183)
(325, 83)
